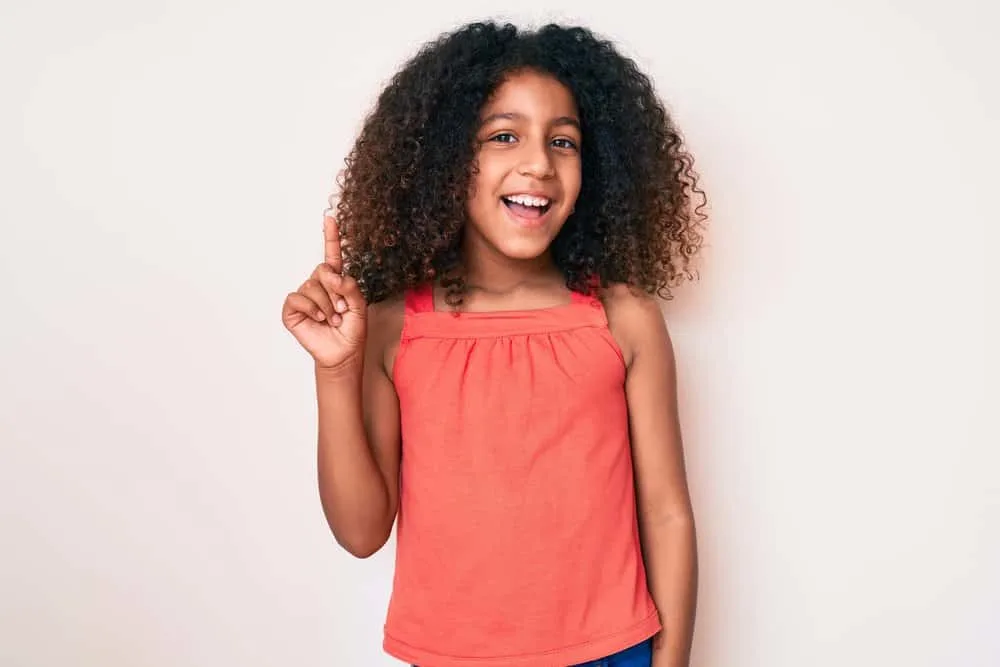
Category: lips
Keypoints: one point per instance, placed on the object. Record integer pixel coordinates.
(525, 211)
(527, 216)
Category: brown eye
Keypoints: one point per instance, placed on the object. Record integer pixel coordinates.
(503, 138)
(565, 143)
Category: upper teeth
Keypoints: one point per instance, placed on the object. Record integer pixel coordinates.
(528, 200)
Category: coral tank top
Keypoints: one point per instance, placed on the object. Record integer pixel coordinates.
(517, 539)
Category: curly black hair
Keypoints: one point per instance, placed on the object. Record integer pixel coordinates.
(402, 202)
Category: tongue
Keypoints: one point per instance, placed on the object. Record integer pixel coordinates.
(524, 211)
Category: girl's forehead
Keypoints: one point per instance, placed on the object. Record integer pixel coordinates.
(528, 94)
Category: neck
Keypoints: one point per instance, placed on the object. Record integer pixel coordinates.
(492, 272)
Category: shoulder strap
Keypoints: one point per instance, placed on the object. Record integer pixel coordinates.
(593, 300)
(420, 299)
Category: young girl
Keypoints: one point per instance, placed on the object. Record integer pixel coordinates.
(492, 367)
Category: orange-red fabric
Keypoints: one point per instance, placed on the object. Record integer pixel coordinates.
(517, 540)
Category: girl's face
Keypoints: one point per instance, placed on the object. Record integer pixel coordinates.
(528, 167)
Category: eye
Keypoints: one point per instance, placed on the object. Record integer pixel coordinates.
(565, 143)
(503, 138)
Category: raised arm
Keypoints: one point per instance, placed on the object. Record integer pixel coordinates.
(358, 413)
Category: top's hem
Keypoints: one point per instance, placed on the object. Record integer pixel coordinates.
(590, 650)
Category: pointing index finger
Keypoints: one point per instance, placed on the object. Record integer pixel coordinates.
(331, 243)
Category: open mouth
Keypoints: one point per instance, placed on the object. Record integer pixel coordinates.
(528, 207)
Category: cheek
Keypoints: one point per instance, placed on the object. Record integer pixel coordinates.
(485, 184)
(571, 181)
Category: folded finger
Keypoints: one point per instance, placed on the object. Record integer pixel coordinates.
(315, 290)
(343, 289)
(300, 303)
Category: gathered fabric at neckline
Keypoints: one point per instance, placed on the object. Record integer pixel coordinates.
(422, 320)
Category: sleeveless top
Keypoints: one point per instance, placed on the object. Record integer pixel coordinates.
(517, 541)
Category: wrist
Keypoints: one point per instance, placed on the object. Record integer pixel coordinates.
(662, 659)
(349, 370)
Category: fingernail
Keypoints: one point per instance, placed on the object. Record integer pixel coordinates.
(321, 316)
(341, 305)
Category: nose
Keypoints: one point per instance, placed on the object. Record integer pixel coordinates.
(536, 161)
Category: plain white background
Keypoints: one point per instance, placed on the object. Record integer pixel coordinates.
(165, 166)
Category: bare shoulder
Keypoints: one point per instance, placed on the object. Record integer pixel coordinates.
(635, 320)
(387, 313)
(385, 326)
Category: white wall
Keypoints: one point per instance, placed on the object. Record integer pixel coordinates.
(164, 170)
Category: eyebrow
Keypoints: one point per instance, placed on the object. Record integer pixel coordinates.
(561, 120)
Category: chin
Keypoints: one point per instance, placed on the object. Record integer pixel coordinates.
(519, 241)
(522, 252)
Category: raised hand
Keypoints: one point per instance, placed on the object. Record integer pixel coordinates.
(327, 314)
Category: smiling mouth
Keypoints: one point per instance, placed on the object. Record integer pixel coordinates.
(529, 211)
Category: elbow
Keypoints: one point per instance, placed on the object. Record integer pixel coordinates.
(681, 521)
(359, 533)
(680, 517)
(362, 544)
(362, 549)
